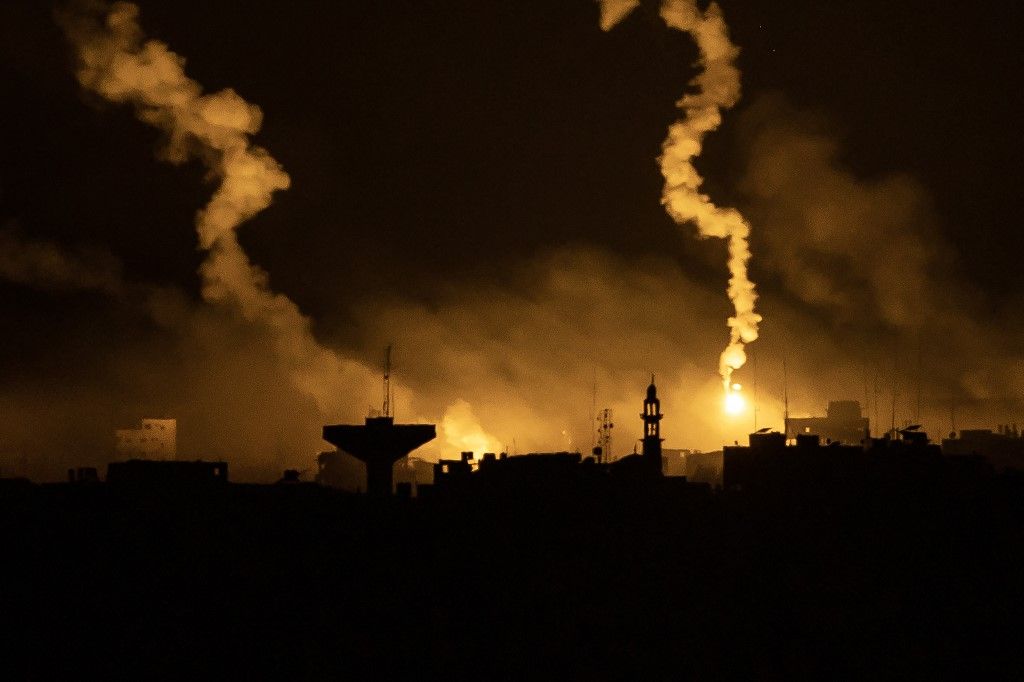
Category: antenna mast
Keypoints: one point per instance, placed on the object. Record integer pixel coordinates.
(387, 381)
(753, 358)
(896, 369)
(892, 421)
(604, 440)
(875, 403)
(917, 413)
(867, 395)
(952, 412)
(785, 397)
(593, 409)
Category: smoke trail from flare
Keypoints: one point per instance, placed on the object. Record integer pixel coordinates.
(614, 11)
(717, 87)
(115, 62)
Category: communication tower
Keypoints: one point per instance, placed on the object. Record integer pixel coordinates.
(603, 451)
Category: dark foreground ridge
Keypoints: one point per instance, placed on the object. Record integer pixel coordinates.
(822, 561)
(300, 580)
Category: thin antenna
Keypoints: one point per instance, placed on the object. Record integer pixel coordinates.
(753, 358)
(867, 397)
(593, 410)
(875, 403)
(387, 381)
(952, 411)
(917, 413)
(892, 422)
(605, 440)
(785, 396)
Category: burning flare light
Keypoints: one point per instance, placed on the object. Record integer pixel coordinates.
(734, 400)
(717, 87)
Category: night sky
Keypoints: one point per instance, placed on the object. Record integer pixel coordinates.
(476, 181)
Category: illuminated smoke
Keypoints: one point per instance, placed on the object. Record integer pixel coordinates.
(117, 63)
(614, 11)
(461, 431)
(717, 87)
(49, 266)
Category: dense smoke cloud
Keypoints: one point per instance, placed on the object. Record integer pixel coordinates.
(866, 248)
(865, 255)
(528, 356)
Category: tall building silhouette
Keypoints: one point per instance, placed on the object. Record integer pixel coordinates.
(651, 451)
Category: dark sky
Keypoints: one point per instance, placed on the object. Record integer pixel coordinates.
(434, 146)
(429, 132)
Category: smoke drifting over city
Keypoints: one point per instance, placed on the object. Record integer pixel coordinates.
(717, 87)
(516, 300)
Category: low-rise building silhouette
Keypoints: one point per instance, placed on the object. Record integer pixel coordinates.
(547, 474)
(161, 473)
(769, 463)
(842, 423)
(1002, 448)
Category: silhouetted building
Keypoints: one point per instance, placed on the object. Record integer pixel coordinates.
(17, 484)
(83, 475)
(695, 466)
(338, 469)
(454, 472)
(341, 470)
(161, 473)
(649, 462)
(154, 439)
(379, 444)
(769, 463)
(842, 423)
(290, 477)
(414, 472)
(1003, 448)
(563, 473)
(652, 415)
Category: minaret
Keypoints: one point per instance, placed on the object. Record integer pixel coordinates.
(652, 430)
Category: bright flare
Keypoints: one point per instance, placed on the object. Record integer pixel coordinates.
(734, 402)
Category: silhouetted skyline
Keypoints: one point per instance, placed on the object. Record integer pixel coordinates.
(477, 184)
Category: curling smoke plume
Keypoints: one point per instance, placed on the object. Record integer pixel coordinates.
(717, 87)
(116, 62)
